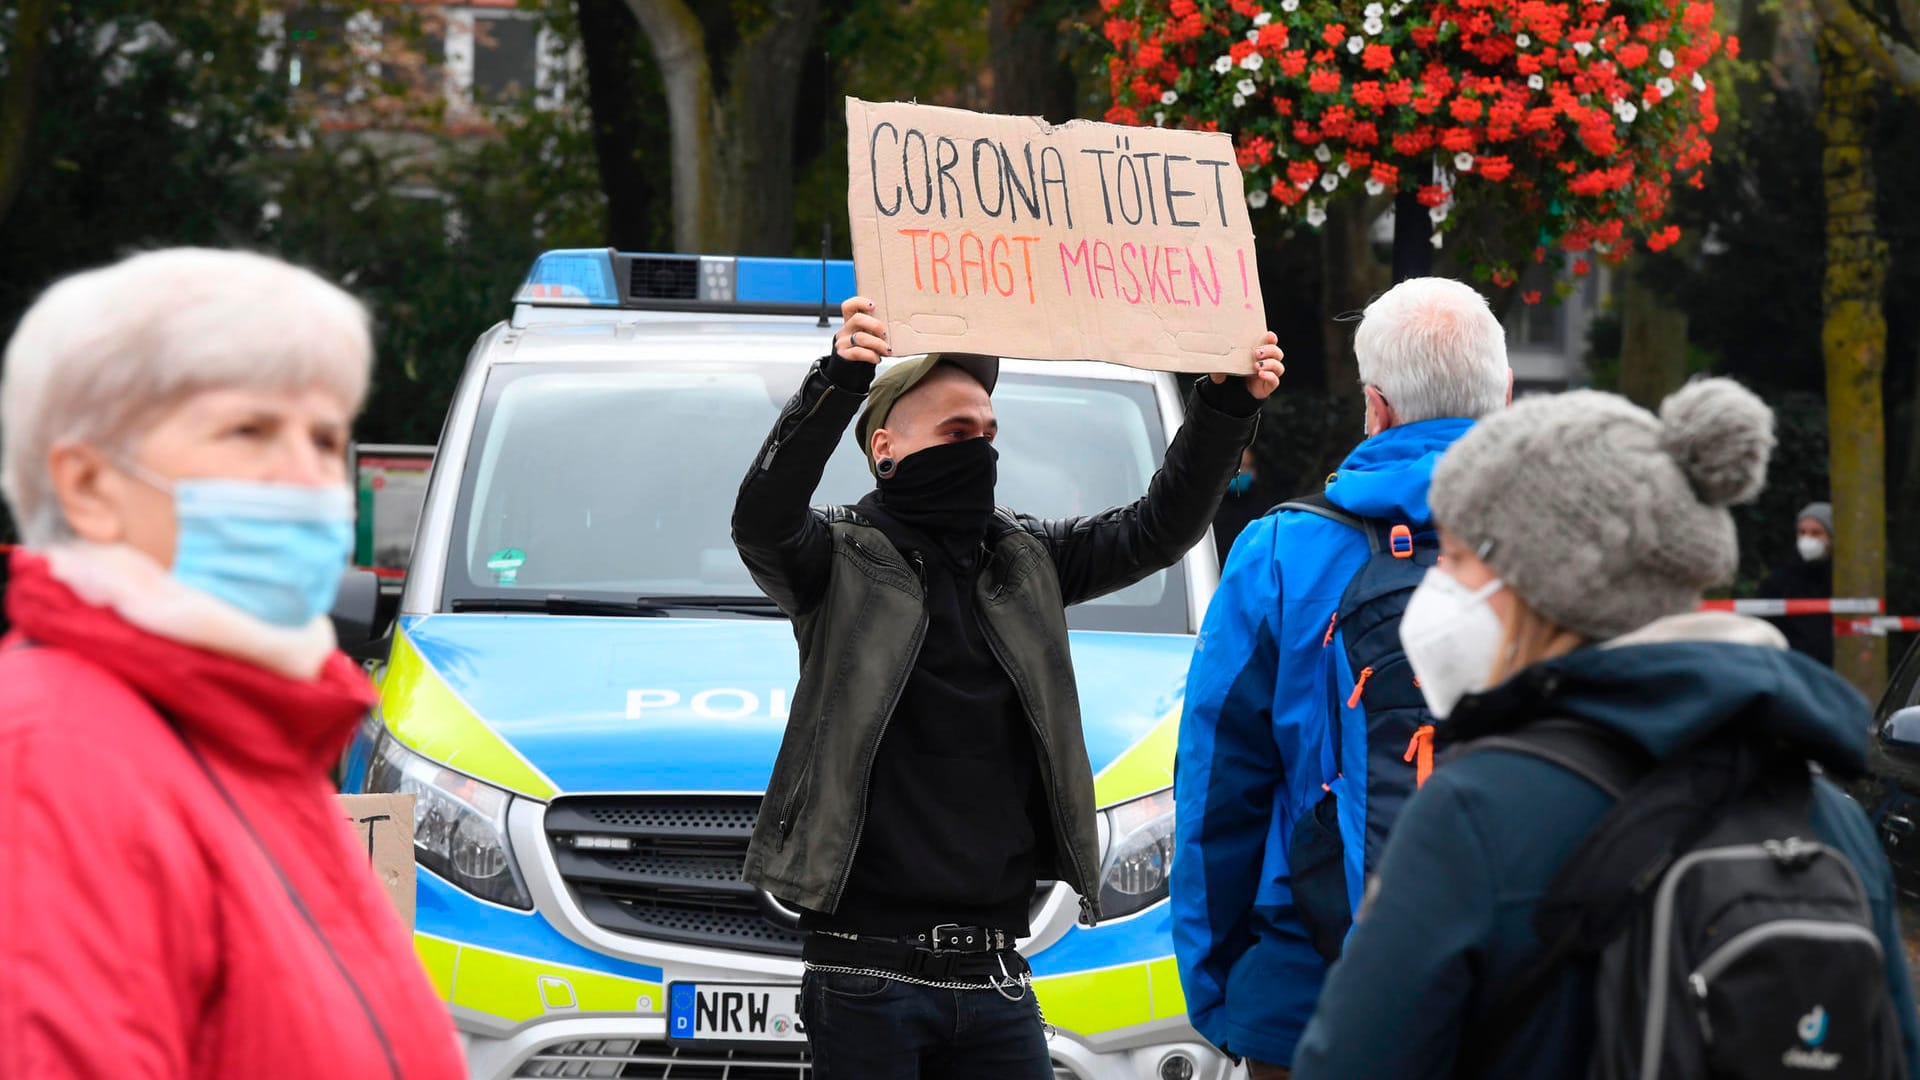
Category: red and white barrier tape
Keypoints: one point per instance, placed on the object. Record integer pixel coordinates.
(1878, 626)
(1816, 606)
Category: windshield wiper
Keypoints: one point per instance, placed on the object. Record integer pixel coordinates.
(733, 605)
(645, 606)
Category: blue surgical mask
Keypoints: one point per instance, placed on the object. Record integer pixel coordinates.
(275, 551)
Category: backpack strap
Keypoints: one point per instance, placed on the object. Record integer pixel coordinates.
(1602, 759)
(1609, 762)
(1379, 534)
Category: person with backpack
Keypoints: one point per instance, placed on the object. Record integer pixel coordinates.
(1303, 732)
(1631, 861)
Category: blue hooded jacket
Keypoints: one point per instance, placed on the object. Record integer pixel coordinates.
(1255, 748)
(1451, 923)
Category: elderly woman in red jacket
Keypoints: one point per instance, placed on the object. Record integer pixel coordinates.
(180, 895)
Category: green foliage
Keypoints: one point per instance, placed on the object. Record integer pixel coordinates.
(143, 136)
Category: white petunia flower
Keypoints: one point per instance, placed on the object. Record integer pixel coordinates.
(1355, 44)
(1463, 161)
(1246, 87)
(1344, 170)
(1168, 97)
(1536, 82)
(1252, 61)
(1375, 187)
(1239, 100)
(1584, 48)
(1257, 198)
(1666, 58)
(1666, 87)
(1223, 65)
(1699, 83)
(1316, 214)
(1438, 214)
(1263, 18)
(1321, 154)
(1374, 11)
(1159, 119)
(1522, 40)
(1627, 111)
(1436, 241)
(1394, 11)
(1304, 185)
(1329, 181)
(1374, 26)
(1289, 5)
(1253, 35)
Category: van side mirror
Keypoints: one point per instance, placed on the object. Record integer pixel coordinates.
(1901, 731)
(356, 614)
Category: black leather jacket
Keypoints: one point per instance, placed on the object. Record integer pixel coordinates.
(857, 611)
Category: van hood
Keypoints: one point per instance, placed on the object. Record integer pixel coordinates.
(546, 705)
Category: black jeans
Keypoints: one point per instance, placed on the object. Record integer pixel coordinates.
(863, 1027)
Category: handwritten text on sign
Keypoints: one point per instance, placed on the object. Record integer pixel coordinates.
(1005, 235)
(384, 825)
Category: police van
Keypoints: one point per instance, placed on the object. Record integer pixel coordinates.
(585, 691)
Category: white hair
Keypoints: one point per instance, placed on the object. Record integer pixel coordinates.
(1433, 349)
(102, 355)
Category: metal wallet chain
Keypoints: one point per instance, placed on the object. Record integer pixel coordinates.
(1024, 981)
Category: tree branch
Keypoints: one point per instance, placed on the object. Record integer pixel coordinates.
(27, 51)
(1894, 60)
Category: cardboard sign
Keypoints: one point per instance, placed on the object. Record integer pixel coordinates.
(384, 824)
(1009, 236)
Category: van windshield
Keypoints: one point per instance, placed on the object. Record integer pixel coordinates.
(612, 483)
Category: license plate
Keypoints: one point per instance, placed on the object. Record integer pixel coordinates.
(734, 1012)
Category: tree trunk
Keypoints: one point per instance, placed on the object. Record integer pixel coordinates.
(1854, 340)
(1412, 238)
(1351, 278)
(680, 48)
(1029, 77)
(1653, 344)
(608, 36)
(754, 126)
(25, 53)
(732, 153)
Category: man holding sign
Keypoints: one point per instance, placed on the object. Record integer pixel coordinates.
(934, 767)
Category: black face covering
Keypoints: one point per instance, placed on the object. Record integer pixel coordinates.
(945, 491)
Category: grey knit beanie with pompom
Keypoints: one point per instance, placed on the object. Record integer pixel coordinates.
(1601, 516)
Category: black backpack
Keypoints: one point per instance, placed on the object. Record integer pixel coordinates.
(1383, 696)
(1726, 942)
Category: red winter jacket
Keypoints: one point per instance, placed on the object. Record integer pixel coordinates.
(143, 933)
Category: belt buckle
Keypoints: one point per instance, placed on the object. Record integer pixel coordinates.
(952, 932)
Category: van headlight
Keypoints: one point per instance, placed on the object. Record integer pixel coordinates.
(1137, 862)
(459, 823)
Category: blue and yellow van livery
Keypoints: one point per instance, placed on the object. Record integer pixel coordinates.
(586, 694)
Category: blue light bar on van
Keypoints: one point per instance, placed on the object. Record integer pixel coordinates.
(602, 277)
(571, 277)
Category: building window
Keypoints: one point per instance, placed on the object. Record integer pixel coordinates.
(1539, 326)
(506, 57)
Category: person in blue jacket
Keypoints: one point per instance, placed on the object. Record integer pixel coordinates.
(1254, 741)
(1578, 533)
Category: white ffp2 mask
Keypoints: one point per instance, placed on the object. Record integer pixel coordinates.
(1451, 638)
(1812, 548)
